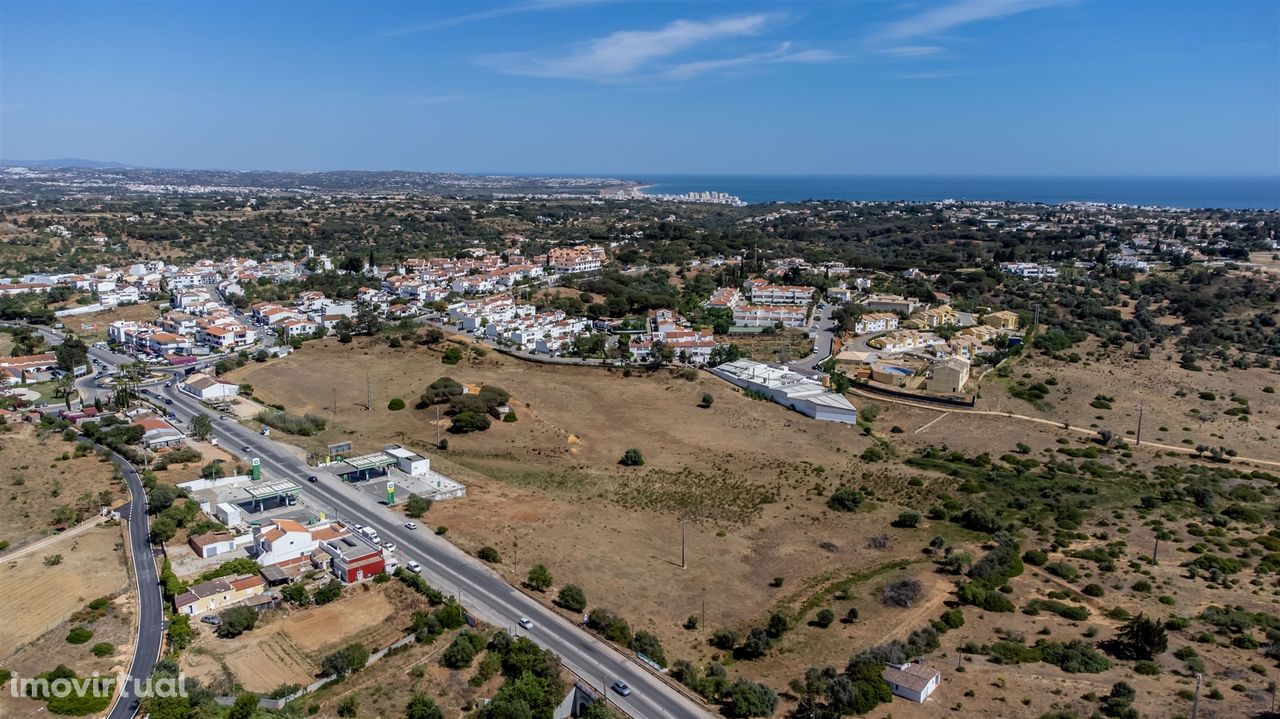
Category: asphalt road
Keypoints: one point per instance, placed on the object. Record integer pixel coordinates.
(483, 592)
(824, 329)
(151, 627)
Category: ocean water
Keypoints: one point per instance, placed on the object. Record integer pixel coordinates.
(1189, 192)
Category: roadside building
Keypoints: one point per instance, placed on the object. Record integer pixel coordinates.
(354, 557)
(207, 388)
(28, 368)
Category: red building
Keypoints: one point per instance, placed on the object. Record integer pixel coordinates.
(355, 558)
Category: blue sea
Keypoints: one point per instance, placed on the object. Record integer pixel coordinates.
(1188, 192)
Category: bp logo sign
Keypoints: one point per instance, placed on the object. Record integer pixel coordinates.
(391, 493)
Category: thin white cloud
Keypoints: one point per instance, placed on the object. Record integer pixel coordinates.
(914, 50)
(422, 100)
(895, 39)
(783, 54)
(497, 12)
(939, 20)
(626, 54)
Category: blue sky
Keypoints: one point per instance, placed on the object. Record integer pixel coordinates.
(970, 87)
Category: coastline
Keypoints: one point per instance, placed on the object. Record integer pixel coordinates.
(1188, 193)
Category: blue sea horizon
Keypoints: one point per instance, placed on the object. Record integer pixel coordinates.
(1183, 192)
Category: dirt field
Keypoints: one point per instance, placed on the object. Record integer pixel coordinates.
(753, 478)
(37, 598)
(1173, 411)
(287, 648)
(93, 327)
(37, 480)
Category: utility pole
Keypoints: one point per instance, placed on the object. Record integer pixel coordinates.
(437, 426)
(684, 564)
(1195, 703)
(703, 623)
(1138, 442)
(368, 392)
(1155, 550)
(334, 409)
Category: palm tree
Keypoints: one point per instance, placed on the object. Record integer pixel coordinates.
(64, 386)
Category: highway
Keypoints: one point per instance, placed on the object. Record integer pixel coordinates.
(484, 593)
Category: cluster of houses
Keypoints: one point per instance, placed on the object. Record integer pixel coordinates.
(286, 550)
(896, 345)
(762, 304)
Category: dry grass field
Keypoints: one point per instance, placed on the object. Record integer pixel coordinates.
(1174, 409)
(753, 480)
(37, 480)
(287, 646)
(93, 327)
(37, 598)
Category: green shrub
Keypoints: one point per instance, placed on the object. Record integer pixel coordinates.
(79, 635)
(395, 405)
(102, 649)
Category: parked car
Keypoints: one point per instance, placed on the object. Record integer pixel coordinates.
(414, 567)
(410, 525)
(621, 687)
(213, 619)
(389, 546)
(525, 623)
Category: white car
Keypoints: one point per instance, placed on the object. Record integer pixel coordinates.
(389, 546)
(414, 567)
(525, 623)
(410, 525)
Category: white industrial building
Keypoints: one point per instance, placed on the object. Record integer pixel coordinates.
(800, 392)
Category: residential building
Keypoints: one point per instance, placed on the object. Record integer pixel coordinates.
(949, 375)
(892, 303)
(574, 260)
(768, 316)
(354, 557)
(219, 594)
(764, 293)
(1004, 320)
(912, 681)
(724, 298)
(876, 322)
(282, 540)
(1030, 270)
(28, 368)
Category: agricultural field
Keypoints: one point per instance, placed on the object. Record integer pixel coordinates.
(46, 482)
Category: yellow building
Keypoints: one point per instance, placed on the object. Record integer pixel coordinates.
(218, 594)
(949, 375)
(1004, 319)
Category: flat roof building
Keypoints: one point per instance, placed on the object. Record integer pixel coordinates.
(799, 392)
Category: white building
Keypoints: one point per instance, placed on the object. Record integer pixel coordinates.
(912, 681)
(876, 322)
(799, 392)
(767, 316)
(206, 388)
